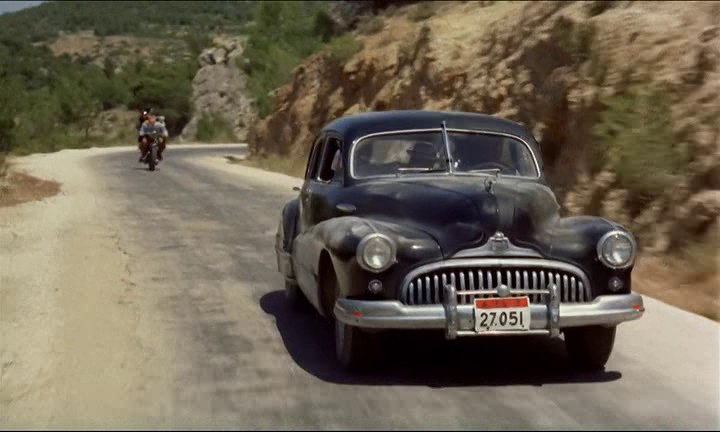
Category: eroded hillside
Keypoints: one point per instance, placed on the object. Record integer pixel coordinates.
(117, 50)
(622, 96)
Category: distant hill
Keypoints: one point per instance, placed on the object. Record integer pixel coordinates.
(62, 64)
(139, 18)
(66, 67)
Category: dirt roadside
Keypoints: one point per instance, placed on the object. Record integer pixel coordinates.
(18, 188)
(68, 311)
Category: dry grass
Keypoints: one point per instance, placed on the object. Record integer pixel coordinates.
(122, 49)
(371, 25)
(274, 163)
(17, 188)
(689, 280)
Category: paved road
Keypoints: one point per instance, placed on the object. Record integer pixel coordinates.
(233, 355)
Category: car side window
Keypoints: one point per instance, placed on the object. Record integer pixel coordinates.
(337, 167)
(311, 170)
(331, 167)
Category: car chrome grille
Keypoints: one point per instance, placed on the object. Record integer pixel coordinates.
(482, 282)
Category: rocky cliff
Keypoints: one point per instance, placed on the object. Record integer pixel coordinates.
(556, 67)
(219, 89)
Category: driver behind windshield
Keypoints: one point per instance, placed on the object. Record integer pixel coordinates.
(425, 155)
(477, 152)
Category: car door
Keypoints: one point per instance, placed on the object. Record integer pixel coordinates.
(307, 190)
(317, 201)
(303, 250)
(328, 181)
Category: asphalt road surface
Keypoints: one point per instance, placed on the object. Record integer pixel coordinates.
(194, 331)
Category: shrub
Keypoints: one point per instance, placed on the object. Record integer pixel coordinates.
(422, 11)
(634, 135)
(270, 73)
(597, 7)
(167, 89)
(576, 38)
(3, 165)
(371, 25)
(323, 26)
(598, 67)
(214, 128)
(281, 35)
(112, 93)
(582, 41)
(196, 42)
(343, 48)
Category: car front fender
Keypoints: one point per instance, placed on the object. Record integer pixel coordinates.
(340, 238)
(289, 224)
(574, 240)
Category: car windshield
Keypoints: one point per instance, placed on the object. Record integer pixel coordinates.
(425, 152)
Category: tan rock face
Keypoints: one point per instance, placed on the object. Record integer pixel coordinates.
(219, 88)
(545, 64)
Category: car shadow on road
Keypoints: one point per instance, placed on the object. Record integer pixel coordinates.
(426, 358)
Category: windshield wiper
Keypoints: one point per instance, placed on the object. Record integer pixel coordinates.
(419, 169)
(495, 171)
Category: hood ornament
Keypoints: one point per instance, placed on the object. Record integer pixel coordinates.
(498, 242)
(489, 185)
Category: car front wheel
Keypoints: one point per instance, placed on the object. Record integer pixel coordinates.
(293, 294)
(590, 347)
(355, 348)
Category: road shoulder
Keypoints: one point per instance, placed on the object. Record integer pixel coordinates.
(68, 314)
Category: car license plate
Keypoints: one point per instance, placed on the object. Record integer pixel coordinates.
(511, 313)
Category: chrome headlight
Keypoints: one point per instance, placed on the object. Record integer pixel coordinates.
(376, 253)
(616, 249)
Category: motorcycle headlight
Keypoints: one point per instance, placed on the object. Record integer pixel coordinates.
(616, 249)
(376, 253)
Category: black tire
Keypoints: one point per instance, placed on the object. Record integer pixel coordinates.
(356, 349)
(589, 347)
(293, 294)
(153, 158)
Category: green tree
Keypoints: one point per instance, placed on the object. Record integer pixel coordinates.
(282, 34)
(634, 135)
(9, 108)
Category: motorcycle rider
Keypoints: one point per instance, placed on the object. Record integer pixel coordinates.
(143, 116)
(148, 127)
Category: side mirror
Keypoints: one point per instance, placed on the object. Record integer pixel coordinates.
(347, 209)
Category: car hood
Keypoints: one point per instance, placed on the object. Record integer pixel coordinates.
(460, 211)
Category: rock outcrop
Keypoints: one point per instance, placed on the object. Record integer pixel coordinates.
(549, 65)
(219, 89)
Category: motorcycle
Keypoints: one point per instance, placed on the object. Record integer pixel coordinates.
(151, 156)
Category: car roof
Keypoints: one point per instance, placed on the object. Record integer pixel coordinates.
(356, 126)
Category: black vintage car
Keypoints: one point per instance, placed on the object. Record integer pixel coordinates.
(444, 220)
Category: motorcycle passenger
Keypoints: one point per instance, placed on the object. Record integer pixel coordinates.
(150, 126)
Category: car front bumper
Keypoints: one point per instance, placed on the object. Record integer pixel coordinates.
(459, 320)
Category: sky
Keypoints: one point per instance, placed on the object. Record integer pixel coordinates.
(12, 6)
